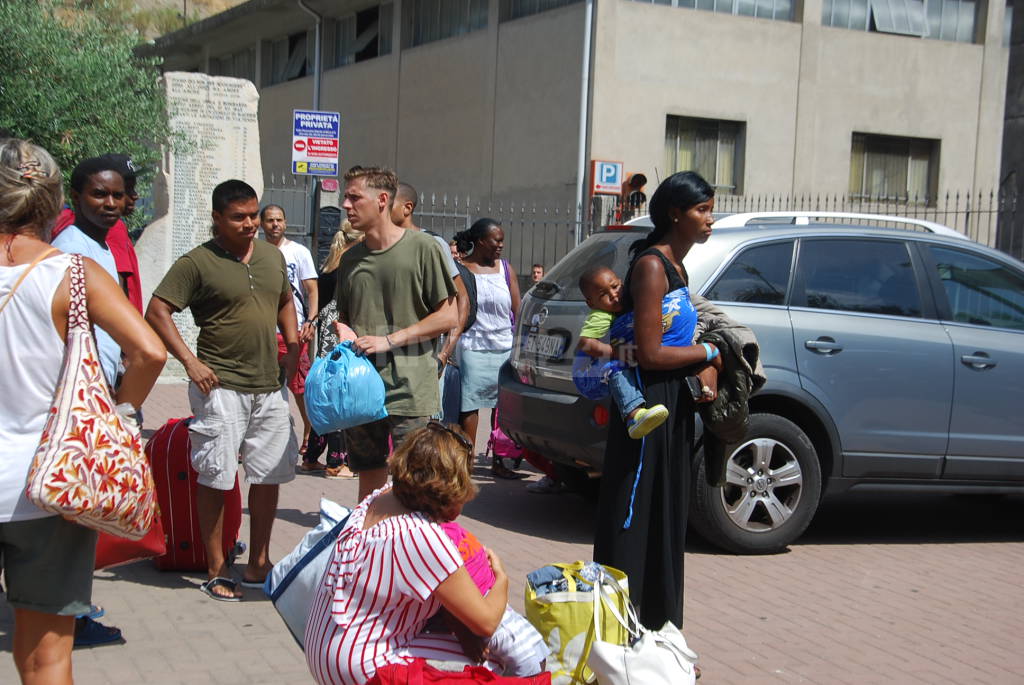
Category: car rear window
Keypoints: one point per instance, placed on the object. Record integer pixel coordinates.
(602, 249)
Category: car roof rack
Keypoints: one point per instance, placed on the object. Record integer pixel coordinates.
(803, 218)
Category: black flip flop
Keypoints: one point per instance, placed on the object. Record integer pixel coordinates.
(220, 581)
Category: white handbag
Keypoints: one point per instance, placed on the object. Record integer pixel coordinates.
(654, 656)
(292, 583)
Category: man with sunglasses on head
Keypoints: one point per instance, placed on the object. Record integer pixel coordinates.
(395, 292)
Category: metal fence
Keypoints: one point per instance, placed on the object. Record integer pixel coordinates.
(534, 234)
(537, 234)
(991, 218)
(292, 194)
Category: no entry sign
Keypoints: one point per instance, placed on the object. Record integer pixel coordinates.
(316, 138)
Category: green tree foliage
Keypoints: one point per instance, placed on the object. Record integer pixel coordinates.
(71, 82)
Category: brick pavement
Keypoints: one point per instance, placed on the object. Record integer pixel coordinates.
(921, 589)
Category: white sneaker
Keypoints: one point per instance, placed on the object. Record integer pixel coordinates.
(546, 486)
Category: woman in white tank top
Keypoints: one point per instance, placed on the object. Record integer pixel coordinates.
(487, 344)
(47, 561)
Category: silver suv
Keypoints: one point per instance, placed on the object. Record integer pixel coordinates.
(894, 351)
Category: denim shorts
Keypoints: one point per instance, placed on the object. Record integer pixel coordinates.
(48, 564)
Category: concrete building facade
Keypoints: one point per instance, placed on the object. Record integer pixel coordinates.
(892, 98)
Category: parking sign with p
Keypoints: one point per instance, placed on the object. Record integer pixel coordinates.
(606, 178)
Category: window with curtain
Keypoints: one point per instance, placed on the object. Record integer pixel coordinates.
(937, 19)
(764, 9)
(288, 59)
(514, 9)
(360, 36)
(241, 64)
(712, 148)
(892, 168)
(430, 20)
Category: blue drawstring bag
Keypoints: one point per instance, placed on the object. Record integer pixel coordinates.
(590, 375)
(343, 390)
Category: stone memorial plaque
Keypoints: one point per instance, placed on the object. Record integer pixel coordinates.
(215, 120)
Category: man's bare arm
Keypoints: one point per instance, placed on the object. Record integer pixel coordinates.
(288, 323)
(429, 327)
(158, 316)
(312, 309)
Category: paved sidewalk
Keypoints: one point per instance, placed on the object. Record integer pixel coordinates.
(921, 589)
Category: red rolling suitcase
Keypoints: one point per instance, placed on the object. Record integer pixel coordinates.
(169, 453)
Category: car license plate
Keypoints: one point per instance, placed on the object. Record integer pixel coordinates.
(544, 345)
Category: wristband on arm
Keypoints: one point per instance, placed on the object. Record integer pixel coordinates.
(709, 352)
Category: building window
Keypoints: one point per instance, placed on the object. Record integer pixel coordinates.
(514, 9)
(764, 9)
(239, 65)
(891, 168)
(712, 148)
(430, 20)
(939, 19)
(360, 36)
(288, 59)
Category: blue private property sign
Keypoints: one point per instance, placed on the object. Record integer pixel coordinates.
(316, 141)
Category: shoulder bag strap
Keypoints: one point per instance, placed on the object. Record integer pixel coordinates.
(78, 312)
(21, 278)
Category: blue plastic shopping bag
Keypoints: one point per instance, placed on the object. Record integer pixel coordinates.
(343, 390)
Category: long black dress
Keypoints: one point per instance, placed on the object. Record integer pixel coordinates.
(650, 549)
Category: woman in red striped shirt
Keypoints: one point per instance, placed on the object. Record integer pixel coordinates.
(394, 567)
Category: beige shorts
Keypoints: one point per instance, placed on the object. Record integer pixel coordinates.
(229, 424)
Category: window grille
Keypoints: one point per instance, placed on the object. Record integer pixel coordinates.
(239, 65)
(288, 58)
(514, 9)
(952, 20)
(430, 20)
(361, 36)
(765, 9)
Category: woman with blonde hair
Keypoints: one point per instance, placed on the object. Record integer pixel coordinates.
(327, 340)
(48, 561)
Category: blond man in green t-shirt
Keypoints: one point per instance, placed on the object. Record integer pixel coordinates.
(395, 292)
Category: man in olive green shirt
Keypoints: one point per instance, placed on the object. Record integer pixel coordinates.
(237, 288)
(394, 291)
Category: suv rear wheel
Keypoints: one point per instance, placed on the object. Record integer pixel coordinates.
(773, 482)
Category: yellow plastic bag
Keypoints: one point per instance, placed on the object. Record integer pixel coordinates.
(565, 621)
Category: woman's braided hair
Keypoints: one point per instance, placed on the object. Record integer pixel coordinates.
(31, 192)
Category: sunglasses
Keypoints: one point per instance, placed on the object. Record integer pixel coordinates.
(438, 426)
